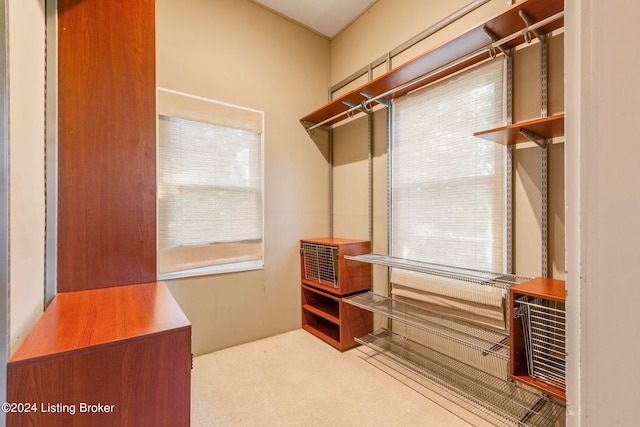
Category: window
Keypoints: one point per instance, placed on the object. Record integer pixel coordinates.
(210, 207)
(448, 200)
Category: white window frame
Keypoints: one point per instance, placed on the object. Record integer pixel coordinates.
(184, 106)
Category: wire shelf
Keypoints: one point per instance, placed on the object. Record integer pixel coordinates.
(487, 278)
(320, 263)
(486, 341)
(505, 403)
(543, 323)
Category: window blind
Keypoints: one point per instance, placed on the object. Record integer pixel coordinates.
(448, 187)
(209, 186)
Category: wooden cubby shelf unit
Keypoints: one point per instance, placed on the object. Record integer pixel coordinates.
(545, 128)
(457, 54)
(548, 296)
(327, 275)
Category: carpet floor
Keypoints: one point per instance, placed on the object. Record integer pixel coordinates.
(295, 379)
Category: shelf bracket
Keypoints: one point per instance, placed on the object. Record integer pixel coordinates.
(494, 38)
(529, 22)
(533, 137)
(379, 101)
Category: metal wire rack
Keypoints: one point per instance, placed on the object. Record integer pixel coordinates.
(485, 341)
(503, 403)
(464, 362)
(543, 323)
(487, 278)
(321, 263)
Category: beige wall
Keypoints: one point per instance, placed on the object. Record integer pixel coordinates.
(527, 217)
(351, 187)
(26, 25)
(237, 52)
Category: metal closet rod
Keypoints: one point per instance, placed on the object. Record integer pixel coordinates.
(366, 104)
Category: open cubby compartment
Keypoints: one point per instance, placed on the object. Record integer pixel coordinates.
(321, 327)
(326, 316)
(321, 304)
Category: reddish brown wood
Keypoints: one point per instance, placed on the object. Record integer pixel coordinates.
(546, 127)
(106, 143)
(320, 303)
(356, 323)
(129, 347)
(353, 276)
(83, 319)
(540, 287)
(332, 320)
(502, 25)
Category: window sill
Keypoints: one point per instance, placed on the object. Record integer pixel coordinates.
(215, 269)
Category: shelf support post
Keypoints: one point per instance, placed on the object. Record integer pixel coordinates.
(330, 182)
(544, 157)
(509, 165)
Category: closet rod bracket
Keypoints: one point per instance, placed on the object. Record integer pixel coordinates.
(357, 107)
(542, 142)
(310, 127)
(529, 22)
(381, 101)
(492, 50)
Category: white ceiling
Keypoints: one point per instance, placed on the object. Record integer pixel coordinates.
(327, 17)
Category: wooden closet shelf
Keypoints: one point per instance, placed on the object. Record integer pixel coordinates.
(452, 55)
(546, 128)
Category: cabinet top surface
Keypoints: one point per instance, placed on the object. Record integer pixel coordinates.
(551, 289)
(332, 241)
(77, 320)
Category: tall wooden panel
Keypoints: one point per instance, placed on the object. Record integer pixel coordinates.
(106, 155)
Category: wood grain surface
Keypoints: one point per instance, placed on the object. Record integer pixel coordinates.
(106, 155)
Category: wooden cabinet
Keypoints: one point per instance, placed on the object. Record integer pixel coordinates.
(537, 332)
(326, 277)
(105, 357)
